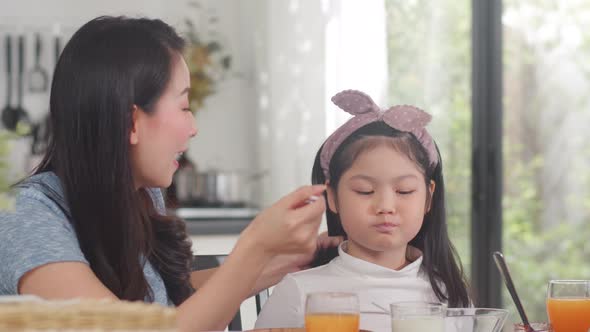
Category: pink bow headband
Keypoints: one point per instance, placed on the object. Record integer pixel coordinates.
(404, 118)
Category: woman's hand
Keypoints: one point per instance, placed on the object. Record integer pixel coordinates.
(290, 226)
(280, 265)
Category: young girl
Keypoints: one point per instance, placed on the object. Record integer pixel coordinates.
(386, 197)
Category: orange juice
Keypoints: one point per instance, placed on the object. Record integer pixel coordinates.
(569, 315)
(331, 322)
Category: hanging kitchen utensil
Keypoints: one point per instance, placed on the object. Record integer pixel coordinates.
(16, 118)
(56, 48)
(8, 111)
(22, 123)
(40, 134)
(38, 77)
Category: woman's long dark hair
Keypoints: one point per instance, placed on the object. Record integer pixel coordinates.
(109, 65)
(440, 259)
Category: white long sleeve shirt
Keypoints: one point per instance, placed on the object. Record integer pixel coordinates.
(345, 273)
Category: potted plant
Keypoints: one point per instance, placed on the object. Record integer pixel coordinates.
(6, 201)
(205, 57)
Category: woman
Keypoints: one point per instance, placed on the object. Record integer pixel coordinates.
(89, 223)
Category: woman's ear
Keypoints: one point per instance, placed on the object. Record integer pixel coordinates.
(430, 194)
(134, 135)
(331, 198)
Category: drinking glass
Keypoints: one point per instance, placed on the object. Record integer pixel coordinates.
(417, 317)
(568, 305)
(475, 319)
(332, 312)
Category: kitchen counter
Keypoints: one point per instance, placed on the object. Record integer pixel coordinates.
(210, 221)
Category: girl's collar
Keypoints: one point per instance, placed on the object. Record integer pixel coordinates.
(362, 267)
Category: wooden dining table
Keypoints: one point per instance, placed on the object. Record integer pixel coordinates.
(286, 329)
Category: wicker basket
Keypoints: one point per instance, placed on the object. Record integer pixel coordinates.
(86, 315)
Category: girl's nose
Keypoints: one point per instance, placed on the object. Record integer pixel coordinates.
(385, 203)
(383, 209)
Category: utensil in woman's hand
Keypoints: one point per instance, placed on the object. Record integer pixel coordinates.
(503, 268)
(311, 199)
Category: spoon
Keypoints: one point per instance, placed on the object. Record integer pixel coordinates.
(503, 268)
(385, 311)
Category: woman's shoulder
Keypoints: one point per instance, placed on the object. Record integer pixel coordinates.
(40, 194)
(45, 191)
(35, 232)
(39, 206)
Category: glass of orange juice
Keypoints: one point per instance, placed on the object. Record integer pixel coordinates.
(568, 305)
(332, 312)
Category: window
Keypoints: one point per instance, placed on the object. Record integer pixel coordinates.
(545, 140)
(429, 63)
(546, 198)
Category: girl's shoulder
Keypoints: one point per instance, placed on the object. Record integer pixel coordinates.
(319, 271)
(320, 275)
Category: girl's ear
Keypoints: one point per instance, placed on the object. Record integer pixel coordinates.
(331, 198)
(134, 135)
(430, 194)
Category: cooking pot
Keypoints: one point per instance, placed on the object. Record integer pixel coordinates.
(214, 187)
(218, 187)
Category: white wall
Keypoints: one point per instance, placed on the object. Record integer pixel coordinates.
(273, 112)
(231, 108)
(227, 121)
(305, 52)
(290, 73)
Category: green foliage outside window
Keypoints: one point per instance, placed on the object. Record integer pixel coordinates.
(429, 45)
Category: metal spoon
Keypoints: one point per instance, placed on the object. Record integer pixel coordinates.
(503, 268)
(385, 311)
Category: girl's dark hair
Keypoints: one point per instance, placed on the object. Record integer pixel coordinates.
(440, 260)
(109, 65)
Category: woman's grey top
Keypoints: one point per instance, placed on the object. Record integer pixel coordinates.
(37, 232)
